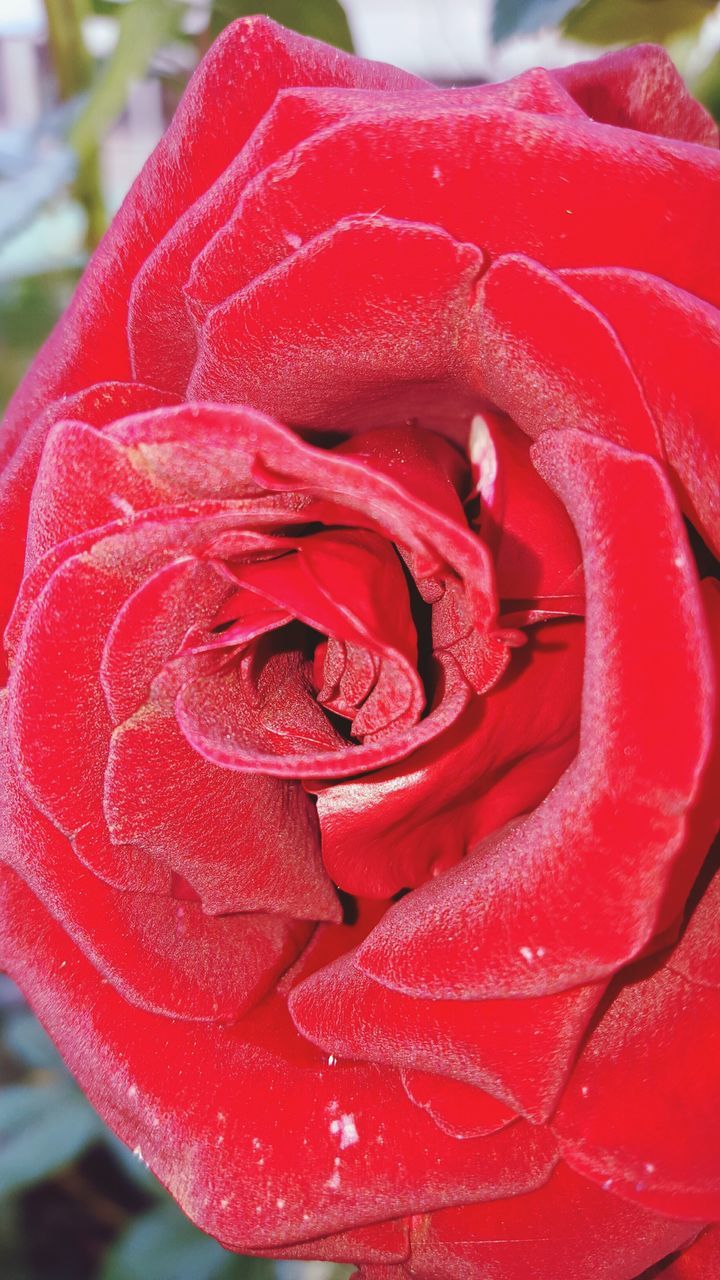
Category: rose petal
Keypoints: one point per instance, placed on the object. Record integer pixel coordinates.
(349, 584)
(162, 954)
(246, 66)
(421, 161)
(273, 1099)
(520, 1051)
(244, 843)
(639, 88)
(283, 731)
(662, 1153)
(673, 343)
(391, 829)
(549, 359)
(288, 342)
(534, 545)
(564, 1230)
(700, 1260)
(458, 1109)
(148, 629)
(583, 884)
(59, 723)
(94, 406)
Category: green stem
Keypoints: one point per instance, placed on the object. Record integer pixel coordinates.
(73, 69)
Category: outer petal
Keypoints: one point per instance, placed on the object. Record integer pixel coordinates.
(420, 161)
(158, 298)
(664, 1153)
(162, 954)
(699, 1261)
(673, 342)
(604, 864)
(566, 1230)
(96, 406)
(548, 359)
(288, 343)
(624, 354)
(284, 1115)
(639, 88)
(520, 1051)
(247, 65)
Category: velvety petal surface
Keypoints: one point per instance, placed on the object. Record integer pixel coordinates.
(582, 885)
(271, 1098)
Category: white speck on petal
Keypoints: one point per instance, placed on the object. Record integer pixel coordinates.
(132, 1091)
(280, 1204)
(346, 1129)
(483, 456)
(528, 954)
(121, 503)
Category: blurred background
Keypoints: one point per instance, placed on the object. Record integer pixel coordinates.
(86, 89)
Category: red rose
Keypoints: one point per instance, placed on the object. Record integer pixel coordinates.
(345, 549)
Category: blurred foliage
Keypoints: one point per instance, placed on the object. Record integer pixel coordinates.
(604, 23)
(29, 308)
(144, 26)
(165, 1245)
(520, 17)
(75, 1203)
(323, 19)
(707, 86)
(633, 21)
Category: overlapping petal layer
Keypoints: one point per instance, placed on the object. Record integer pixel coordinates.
(253, 661)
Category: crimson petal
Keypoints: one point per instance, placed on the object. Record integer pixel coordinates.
(520, 1051)
(246, 1189)
(663, 1153)
(583, 884)
(565, 1230)
(389, 830)
(639, 88)
(161, 954)
(673, 343)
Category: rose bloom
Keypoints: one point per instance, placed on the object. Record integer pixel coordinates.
(359, 771)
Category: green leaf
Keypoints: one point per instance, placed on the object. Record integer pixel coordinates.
(26, 1040)
(133, 1168)
(144, 26)
(42, 1128)
(707, 86)
(164, 1245)
(630, 21)
(513, 17)
(323, 19)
